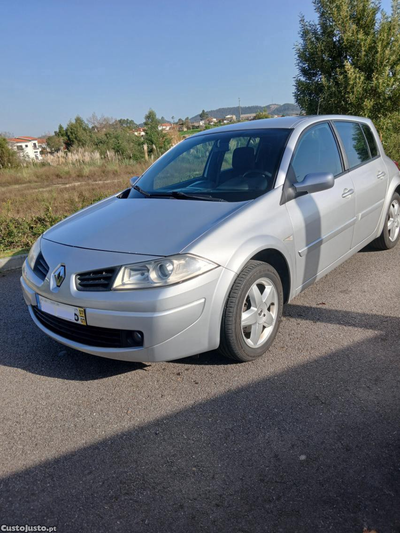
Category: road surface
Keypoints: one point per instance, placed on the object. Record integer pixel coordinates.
(306, 439)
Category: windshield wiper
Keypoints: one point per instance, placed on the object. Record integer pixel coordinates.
(185, 196)
(179, 195)
(139, 189)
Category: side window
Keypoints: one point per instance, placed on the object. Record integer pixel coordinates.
(316, 152)
(353, 141)
(370, 140)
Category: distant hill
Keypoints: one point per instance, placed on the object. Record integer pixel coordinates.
(273, 109)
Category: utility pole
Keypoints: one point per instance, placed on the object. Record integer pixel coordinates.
(240, 111)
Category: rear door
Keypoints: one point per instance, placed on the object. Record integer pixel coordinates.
(323, 222)
(368, 173)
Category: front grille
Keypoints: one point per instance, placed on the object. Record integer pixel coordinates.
(89, 335)
(97, 280)
(41, 268)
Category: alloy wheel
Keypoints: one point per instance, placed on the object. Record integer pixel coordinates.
(259, 312)
(394, 220)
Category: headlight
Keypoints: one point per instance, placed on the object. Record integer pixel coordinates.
(33, 253)
(161, 272)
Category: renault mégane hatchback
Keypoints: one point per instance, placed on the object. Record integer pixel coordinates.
(204, 249)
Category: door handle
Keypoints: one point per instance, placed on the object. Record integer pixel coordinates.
(381, 175)
(347, 192)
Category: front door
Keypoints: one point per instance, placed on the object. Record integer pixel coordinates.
(323, 222)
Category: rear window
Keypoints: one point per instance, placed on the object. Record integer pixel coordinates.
(353, 141)
(370, 140)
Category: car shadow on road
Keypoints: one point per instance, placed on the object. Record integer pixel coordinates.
(315, 448)
(48, 358)
(24, 346)
(370, 249)
(379, 323)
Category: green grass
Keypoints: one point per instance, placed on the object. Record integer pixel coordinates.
(20, 233)
(13, 252)
(34, 198)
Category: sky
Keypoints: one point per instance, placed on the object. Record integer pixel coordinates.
(118, 58)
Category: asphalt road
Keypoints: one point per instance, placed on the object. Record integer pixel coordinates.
(304, 440)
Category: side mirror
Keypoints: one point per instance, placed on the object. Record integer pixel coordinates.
(318, 181)
(134, 180)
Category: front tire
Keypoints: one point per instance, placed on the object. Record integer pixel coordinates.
(252, 313)
(391, 231)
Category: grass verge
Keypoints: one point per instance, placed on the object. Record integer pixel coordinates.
(28, 207)
(13, 252)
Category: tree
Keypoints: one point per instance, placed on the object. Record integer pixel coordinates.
(261, 114)
(60, 132)
(6, 134)
(121, 141)
(99, 123)
(8, 158)
(187, 123)
(78, 134)
(54, 143)
(156, 139)
(203, 115)
(349, 62)
(127, 123)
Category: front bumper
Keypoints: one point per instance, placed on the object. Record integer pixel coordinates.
(176, 321)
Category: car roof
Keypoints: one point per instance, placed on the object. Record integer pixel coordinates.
(281, 122)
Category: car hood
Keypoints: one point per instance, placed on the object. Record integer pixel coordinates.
(148, 226)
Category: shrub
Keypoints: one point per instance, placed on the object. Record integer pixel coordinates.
(8, 158)
(22, 232)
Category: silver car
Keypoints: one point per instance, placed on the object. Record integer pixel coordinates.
(204, 249)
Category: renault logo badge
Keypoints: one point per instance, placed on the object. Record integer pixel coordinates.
(59, 275)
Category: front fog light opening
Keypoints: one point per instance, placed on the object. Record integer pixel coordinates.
(135, 339)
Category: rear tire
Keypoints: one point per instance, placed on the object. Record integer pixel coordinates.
(252, 313)
(391, 230)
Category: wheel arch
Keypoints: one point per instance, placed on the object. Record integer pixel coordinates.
(277, 260)
(394, 186)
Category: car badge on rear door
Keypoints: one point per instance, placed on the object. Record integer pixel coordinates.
(59, 275)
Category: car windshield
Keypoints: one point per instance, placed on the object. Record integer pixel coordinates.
(226, 166)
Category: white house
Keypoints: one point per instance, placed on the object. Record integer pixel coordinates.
(26, 147)
(229, 118)
(139, 132)
(198, 124)
(248, 116)
(165, 127)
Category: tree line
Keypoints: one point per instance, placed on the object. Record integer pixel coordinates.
(104, 135)
(117, 135)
